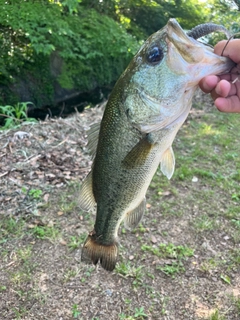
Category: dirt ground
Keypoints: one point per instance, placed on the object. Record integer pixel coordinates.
(181, 263)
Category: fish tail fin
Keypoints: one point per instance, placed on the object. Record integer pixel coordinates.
(94, 251)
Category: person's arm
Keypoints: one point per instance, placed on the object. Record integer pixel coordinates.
(225, 89)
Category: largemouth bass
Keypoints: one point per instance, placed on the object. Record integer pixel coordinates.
(146, 108)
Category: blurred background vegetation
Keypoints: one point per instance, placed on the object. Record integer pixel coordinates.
(54, 50)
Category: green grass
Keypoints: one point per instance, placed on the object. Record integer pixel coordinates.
(128, 270)
(11, 228)
(76, 241)
(169, 251)
(216, 316)
(45, 232)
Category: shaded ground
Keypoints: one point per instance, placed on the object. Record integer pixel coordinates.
(182, 262)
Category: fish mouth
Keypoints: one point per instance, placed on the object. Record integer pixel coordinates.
(190, 49)
(198, 59)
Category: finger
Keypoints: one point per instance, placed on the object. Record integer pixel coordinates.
(223, 88)
(230, 104)
(208, 83)
(230, 49)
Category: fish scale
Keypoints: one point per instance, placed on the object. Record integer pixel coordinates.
(146, 108)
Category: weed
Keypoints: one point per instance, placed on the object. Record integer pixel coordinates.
(138, 315)
(225, 278)
(139, 312)
(71, 273)
(15, 115)
(75, 311)
(3, 288)
(236, 302)
(75, 242)
(236, 223)
(169, 251)
(45, 232)
(172, 269)
(216, 316)
(127, 270)
(20, 312)
(33, 193)
(11, 228)
(204, 223)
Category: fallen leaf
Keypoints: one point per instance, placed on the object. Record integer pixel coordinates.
(153, 239)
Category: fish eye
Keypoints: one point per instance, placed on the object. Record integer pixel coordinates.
(155, 55)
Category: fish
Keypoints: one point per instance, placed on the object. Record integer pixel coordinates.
(145, 110)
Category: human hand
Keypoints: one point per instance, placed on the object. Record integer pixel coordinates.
(225, 89)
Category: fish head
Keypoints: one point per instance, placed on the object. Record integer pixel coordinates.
(161, 79)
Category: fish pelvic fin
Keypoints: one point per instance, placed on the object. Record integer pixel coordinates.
(138, 155)
(86, 197)
(132, 218)
(168, 163)
(93, 251)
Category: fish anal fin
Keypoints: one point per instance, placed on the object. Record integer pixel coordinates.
(168, 163)
(94, 251)
(132, 218)
(92, 135)
(138, 155)
(86, 197)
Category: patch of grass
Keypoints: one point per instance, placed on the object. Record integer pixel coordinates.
(172, 269)
(216, 316)
(76, 241)
(218, 263)
(71, 273)
(11, 228)
(14, 115)
(33, 193)
(236, 302)
(130, 271)
(170, 251)
(139, 314)
(204, 222)
(20, 312)
(45, 232)
(87, 273)
(75, 312)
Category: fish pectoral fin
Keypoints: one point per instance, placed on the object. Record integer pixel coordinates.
(138, 155)
(93, 134)
(94, 251)
(132, 218)
(86, 197)
(168, 163)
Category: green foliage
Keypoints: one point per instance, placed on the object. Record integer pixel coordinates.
(12, 116)
(170, 251)
(33, 193)
(82, 47)
(83, 44)
(134, 14)
(75, 312)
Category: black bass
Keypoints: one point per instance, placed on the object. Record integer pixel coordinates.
(146, 108)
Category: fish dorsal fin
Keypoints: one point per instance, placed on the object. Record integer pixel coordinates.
(168, 163)
(132, 218)
(93, 134)
(86, 197)
(138, 155)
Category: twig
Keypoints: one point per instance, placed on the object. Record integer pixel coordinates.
(32, 157)
(4, 174)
